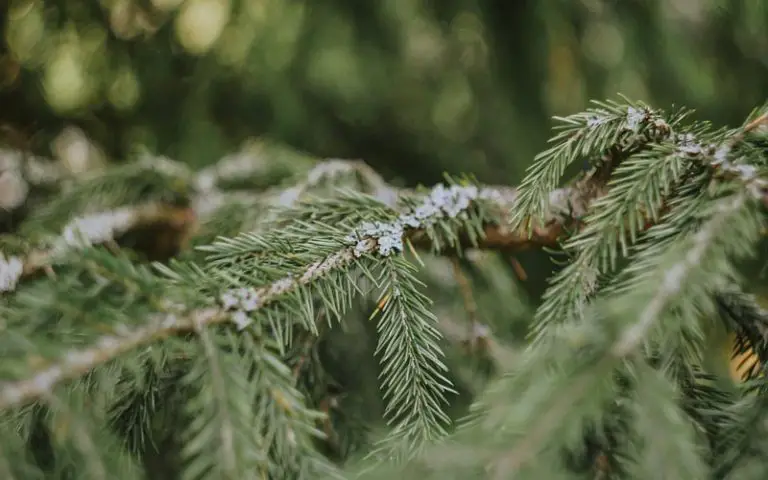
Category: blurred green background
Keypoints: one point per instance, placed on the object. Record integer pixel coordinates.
(414, 87)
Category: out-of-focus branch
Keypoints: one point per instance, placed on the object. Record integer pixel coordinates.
(83, 231)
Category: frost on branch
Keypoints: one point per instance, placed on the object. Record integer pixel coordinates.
(97, 228)
(440, 203)
(11, 269)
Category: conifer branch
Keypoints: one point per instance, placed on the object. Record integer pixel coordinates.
(645, 172)
(667, 289)
(228, 457)
(78, 362)
(674, 279)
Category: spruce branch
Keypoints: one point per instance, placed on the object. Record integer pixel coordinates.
(410, 356)
(227, 457)
(79, 362)
(637, 195)
(251, 300)
(335, 172)
(605, 134)
(327, 170)
(674, 278)
(665, 288)
(677, 450)
(91, 447)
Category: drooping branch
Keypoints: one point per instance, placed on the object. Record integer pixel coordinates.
(78, 362)
(672, 282)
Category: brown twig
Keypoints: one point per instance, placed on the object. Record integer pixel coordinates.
(520, 272)
(476, 339)
(501, 355)
(757, 122)
(306, 348)
(325, 406)
(602, 466)
(329, 401)
(466, 290)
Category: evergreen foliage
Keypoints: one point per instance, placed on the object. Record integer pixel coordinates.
(126, 354)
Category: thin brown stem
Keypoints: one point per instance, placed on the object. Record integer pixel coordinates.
(470, 306)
